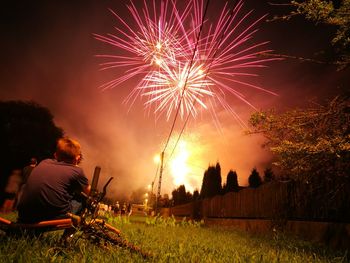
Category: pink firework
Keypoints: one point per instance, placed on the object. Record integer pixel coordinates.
(178, 69)
(229, 53)
(157, 37)
(165, 89)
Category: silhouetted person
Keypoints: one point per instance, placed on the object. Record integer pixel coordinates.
(25, 174)
(49, 191)
(117, 208)
(129, 209)
(123, 210)
(11, 190)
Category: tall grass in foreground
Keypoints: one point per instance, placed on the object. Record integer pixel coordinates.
(169, 241)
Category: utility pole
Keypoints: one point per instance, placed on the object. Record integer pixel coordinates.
(160, 179)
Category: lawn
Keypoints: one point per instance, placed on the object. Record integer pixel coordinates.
(169, 241)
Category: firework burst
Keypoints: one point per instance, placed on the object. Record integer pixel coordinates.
(183, 62)
(166, 89)
(155, 40)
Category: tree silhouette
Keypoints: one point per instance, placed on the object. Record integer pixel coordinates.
(332, 14)
(231, 182)
(211, 184)
(254, 179)
(268, 175)
(217, 187)
(310, 142)
(335, 17)
(205, 185)
(195, 195)
(26, 130)
(180, 196)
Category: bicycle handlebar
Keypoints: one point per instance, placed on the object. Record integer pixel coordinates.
(105, 188)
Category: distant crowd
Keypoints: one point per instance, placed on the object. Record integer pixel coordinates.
(116, 209)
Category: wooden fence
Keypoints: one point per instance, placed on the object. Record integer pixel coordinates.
(275, 200)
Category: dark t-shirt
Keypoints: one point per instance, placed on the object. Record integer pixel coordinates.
(49, 191)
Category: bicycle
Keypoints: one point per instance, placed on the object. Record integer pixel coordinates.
(86, 225)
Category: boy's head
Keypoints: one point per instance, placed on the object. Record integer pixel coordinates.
(68, 150)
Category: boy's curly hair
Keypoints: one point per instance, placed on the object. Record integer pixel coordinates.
(68, 150)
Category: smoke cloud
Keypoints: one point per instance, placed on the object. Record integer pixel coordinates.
(50, 58)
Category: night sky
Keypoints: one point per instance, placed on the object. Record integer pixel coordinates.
(48, 55)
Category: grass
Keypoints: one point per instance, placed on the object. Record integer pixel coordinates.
(169, 241)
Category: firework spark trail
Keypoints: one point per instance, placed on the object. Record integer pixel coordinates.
(160, 48)
(169, 86)
(228, 53)
(221, 52)
(154, 41)
(235, 50)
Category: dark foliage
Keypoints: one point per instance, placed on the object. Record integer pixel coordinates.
(231, 182)
(180, 196)
(310, 142)
(195, 195)
(211, 184)
(254, 179)
(268, 175)
(26, 130)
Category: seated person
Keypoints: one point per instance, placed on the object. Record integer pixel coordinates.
(49, 191)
